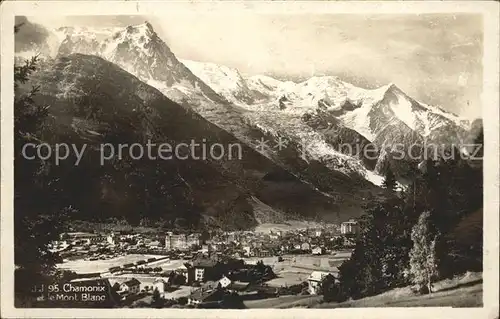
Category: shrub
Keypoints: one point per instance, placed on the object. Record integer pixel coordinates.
(182, 301)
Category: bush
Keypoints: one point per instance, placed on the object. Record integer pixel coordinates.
(232, 301)
(330, 289)
(182, 301)
(157, 301)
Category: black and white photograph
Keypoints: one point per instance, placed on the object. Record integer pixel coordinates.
(240, 159)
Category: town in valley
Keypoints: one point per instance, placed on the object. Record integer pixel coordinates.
(210, 269)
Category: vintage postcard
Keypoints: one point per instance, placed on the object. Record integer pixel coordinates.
(249, 159)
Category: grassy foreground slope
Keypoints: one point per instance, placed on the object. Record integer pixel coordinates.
(463, 291)
(466, 291)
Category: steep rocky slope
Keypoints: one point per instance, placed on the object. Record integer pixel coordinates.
(94, 102)
(139, 50)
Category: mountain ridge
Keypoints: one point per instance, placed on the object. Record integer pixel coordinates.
(143, 36)
(94, 101)
(231, 117)
(322, 112)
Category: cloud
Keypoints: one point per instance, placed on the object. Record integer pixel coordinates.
(29, 34)
(425, 55)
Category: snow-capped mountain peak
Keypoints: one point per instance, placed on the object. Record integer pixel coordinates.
(401, 105)
(224, 80)
(263, 83)
(139, 50)
(385, 115)
(418, 116)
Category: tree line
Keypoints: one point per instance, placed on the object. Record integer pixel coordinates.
(429, 231)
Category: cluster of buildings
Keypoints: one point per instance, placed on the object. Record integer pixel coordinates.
(181, 242)
(214, 279)
(97, 246)
(211, 280)
(213, 265)
(255, 244)
(239, 244)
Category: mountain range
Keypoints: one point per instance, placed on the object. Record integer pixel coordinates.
(125, 84)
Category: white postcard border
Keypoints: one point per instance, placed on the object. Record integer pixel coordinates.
(490, 100)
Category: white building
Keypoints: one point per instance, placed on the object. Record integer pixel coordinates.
(182, 269)
(224, 282)
(82, 237)
(199, 274)
(173, 242)
(131, 286)
(314, 281)
(112, 239)
(317, 251)
(247, 250)
(350, 227)
(161, 285)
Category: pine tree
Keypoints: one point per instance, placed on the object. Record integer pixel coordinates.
(156, 302)
(330, 289)
(381, 251)
(390, 180)
(423, 263)
(35, 225)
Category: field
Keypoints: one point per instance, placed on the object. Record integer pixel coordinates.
(91, 266)
(87, 266)
(294, 269)
(288, 278)
(183, 291)
(168, 264)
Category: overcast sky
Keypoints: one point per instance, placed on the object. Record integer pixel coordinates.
(436, 59)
